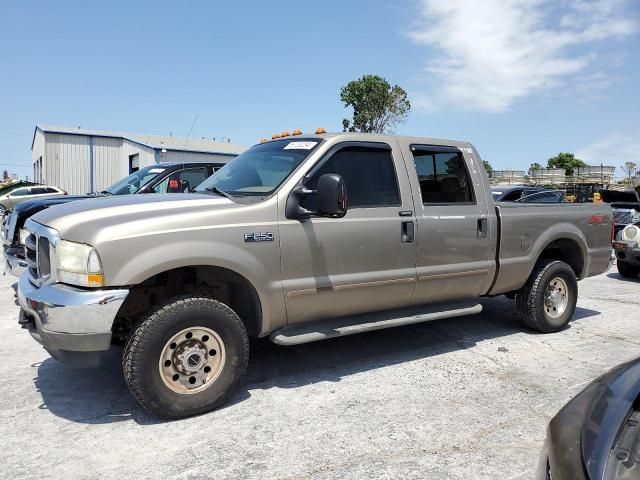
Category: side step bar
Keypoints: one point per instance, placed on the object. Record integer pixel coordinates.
(337, 327)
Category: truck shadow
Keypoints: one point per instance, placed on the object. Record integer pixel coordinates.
(100, 396)
(617, 276)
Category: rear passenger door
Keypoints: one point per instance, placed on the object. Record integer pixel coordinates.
(455, 253)
(364, 261)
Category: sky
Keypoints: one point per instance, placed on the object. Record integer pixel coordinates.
(522, 80)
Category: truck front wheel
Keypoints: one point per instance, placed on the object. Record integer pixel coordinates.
(626, 270)
(548, 300)
(186, 357)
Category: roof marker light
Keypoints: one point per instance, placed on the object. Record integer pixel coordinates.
(320, 131)
(297, 131)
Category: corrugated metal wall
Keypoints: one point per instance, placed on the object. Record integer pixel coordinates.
(66, 159)
(146, 155)
(179, 157)
(37, 152)
(66, 162)
(107, 162)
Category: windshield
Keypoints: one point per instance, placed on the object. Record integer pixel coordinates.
(133, 182)
(259, 170)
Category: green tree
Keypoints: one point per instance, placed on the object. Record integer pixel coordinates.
(568, 161)
(535, 166)
(377, 106)
(488, 168)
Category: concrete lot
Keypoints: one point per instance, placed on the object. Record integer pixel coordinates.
(463, 398)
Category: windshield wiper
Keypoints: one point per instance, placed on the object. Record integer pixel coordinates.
(105, 192)
(219, 192)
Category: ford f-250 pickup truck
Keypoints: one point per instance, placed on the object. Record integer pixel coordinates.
(300, 238)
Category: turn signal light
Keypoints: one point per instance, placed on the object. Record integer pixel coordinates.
(297, 131)
(320, 131)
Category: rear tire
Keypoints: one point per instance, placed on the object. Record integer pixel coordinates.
(626, 270)
(186, 357)
(548, 300)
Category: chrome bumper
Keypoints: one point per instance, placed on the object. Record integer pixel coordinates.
(14, 265)
(67, 320)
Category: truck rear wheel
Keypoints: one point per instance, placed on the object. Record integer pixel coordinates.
(186, 357)
(626, 270)
(548, 300)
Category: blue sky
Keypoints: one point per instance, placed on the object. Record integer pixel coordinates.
(522, 80)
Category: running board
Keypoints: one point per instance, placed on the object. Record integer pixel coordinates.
(337, 327)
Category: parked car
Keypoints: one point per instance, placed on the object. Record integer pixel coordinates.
(596, 436)
(545, 196)
(512, 193)
(12, 186)
(627, 251)
(525, 194)
(160, 178)
(299, 239)
(22, 194)
(624, 204)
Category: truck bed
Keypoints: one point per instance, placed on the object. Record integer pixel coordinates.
(525, 230)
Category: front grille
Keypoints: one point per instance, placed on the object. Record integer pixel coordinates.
(38, 259)
(623, 216)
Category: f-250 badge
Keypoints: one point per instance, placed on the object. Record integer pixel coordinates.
(258, 237)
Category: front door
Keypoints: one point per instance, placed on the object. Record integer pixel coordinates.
(456, 238)
(364, 261)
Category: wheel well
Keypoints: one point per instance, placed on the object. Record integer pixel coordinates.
(566, 250)
(218, 283)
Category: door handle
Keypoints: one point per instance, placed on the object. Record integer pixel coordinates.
(482, 227)
(407, 232)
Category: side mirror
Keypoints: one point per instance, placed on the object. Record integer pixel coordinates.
(332, 196)
(331, 199)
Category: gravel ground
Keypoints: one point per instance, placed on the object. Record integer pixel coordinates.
(462, 399)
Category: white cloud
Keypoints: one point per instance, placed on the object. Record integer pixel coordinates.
(614, 150)
(489, 53)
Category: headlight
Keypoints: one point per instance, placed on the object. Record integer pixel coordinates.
(22, 236)
(631, 233)
(78, 264)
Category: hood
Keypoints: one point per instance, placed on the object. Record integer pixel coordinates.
(124, 215)
(26, 209)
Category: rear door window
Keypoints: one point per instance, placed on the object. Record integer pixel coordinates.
(442, 175)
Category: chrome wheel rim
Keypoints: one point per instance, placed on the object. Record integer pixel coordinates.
(192, 360)
(556, 298)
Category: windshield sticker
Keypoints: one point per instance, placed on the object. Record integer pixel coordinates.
(300, 145)
(156, 170)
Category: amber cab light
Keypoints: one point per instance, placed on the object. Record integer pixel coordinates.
(274, 136)
(297, 131)
(320, 131)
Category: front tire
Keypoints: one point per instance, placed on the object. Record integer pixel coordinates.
(548, 300)
(626, 270)
(186, 357)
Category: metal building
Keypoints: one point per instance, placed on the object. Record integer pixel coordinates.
(79, 160)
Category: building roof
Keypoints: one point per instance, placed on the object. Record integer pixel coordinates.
(197, 144)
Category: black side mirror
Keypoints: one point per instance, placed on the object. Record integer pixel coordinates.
(332, 196)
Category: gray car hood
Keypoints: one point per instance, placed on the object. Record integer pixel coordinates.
(81, 221)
